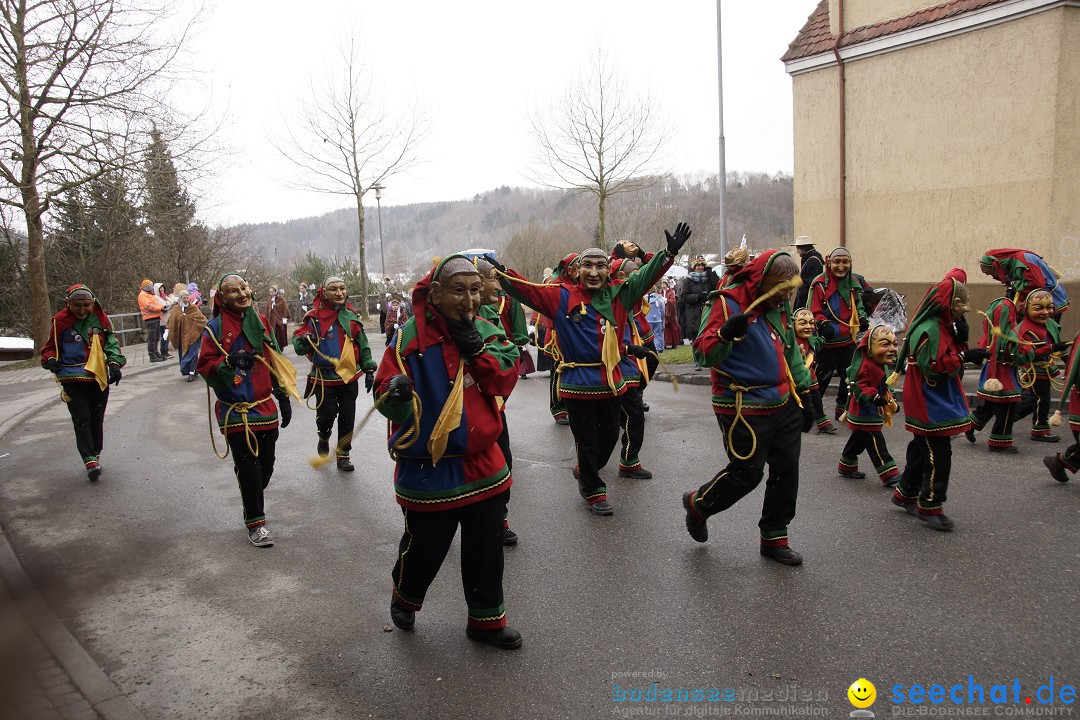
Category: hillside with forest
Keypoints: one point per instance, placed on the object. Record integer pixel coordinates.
(532, 228)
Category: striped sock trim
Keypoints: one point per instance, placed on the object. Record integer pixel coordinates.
(1040, 431)
(413, 605)
(823, 421)
(930, 508)
(636, 465)
(1001, 441)
(847, 464)
(252, 524)
(774, 538)
(561, 415)
(1071, 468)
(487, 618)
(693, 508)
(899, 495)
(596, 497)
(888, 473)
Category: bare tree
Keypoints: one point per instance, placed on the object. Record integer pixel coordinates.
(74, 76)
(344, 139)
(600, 138)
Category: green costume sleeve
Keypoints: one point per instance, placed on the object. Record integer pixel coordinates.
(639, 282)
(816, 342)
(709, 349)
(113, 355)
(396, 409)
(519, 329)
(924, 357)
(300, 343)
(792, 354)
(367, 363)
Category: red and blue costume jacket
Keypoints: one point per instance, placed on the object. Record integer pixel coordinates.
(866, 379)
(837, 302)
(245, 398)
(808, 348)
(581, 320)
(70, 341)
(1041, 339)
(472, 467)
(935, 403)
(327, 327)
(1023, 271)
(757, 373)
(1006, 353)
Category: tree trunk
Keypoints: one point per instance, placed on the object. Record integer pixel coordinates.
(363, 258)
(40, 308)
(602, 230)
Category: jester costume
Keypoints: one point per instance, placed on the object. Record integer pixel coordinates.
(838, 308)
(809, 347)
(935, 404)
(238, 348)
(632, 403)
(85, 357)
(449, 468)
(756, 378)
(589, 327)
(546, 340)
(1023, 271)
(333, 338)
(999, 384)
(869, 409)
(1044, 338)
(1069, 461)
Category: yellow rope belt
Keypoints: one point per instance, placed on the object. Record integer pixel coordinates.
(242, 409)
(739, 390)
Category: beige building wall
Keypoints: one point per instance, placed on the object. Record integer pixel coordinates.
(953, 147)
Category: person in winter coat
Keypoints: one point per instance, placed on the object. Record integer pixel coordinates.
(186, 323)
(277, 312)
(151, 306)
(691, 295)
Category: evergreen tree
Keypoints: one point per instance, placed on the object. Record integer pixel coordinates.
(169, 214)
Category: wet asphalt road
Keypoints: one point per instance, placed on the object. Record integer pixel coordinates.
(151, 570)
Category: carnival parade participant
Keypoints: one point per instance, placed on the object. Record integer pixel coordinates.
(1039, 330)
(758, 375)
(185, 326)
(871, 405)
(589, 318)
(440, 384)
(332, 336)
(835, 298)
(236, 356)
(810, 344)
(935, 403)
(84, 355)
(999, 383)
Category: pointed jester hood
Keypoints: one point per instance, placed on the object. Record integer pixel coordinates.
(933, 315)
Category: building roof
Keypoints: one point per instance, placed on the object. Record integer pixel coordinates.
(815, 38)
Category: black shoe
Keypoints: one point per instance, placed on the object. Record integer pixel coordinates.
(323, 447)
(645, 407)
(856, 474)
(93, 470)
(828, 429)
(1008, 449)
(781, 554)
(907, 505)
(577, 473)
(697, 528)
(838, 412)
(403, 618)
(506, 638)
(638, 474)
(970, 435)
(1046, 438)
(344, 464)
(509, 537)
(942, 522)
(891, 482)
(1056, 468)
(156, 358)
(601, 507)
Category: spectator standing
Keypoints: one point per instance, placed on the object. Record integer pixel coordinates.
(692, 293)
(185, 326)
(151, 307)
(812, 264)
(672, 332)
(277, 312)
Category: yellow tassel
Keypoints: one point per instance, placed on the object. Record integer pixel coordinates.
(893, 378)
(449, 419)
(993, 385)
(283, 370)
(95, 363)
(1055, 419)
(609, 353)
(345, 366)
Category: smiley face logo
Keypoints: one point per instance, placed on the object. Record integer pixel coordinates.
(862, 693)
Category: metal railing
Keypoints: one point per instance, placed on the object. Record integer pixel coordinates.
(121, 330)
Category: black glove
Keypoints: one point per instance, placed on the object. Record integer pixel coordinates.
(1060, 347)
(240, 359)
(735, 327)
(399, 386)
(808, 418)
(369, 381)
(975, 355)
(114, 375)
(495, 264)
(637, 351)
(284, 410)
(826, 330)
(466, 337)
(881, 401)
(676, 241)
(532, 339)
(619, 251)
(52, 365)
(864, 324)
(960, 330)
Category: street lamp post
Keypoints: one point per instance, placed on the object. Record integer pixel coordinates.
(378, 188)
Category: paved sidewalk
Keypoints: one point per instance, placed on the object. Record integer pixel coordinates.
(45, 674)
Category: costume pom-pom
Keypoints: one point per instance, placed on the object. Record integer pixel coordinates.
(993, 385)
(892, 379)
(1055, 419)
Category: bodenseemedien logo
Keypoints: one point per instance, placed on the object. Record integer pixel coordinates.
(862, 694)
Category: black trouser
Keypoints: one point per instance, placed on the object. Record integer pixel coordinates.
(427, 539)
(595, 424)
(632, 413)
(163, 346)
(504, 444)
(87, 408)
(1071, 456)
(337, 402)
(835, 361)
(253, 472)
(555, 403)
(926, 474)
(779, 441)
(873, 442)
(818, 407)
(153, 336)
(1036, 400)
(1004, 413)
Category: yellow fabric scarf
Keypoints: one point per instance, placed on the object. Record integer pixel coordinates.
(345, 366)
(609, 353)
(450, 417)
(95, 363)
(282, 369)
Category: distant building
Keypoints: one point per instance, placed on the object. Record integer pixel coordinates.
(958, 130)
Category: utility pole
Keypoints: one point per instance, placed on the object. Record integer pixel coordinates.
(723, 159)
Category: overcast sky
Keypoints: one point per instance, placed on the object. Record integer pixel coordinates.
(478, 67)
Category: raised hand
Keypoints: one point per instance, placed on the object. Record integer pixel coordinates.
(676, 241)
